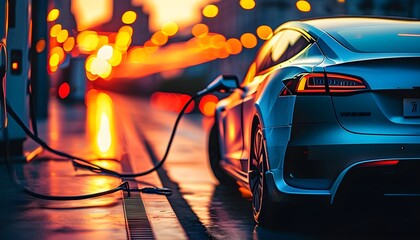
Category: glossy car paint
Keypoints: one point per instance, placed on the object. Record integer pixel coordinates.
(336, 133)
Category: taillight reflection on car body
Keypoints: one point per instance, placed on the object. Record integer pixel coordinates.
(314, 83)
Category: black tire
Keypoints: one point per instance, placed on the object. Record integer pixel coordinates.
(264, 210)
(215, 158)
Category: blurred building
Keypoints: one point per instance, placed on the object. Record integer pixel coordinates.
(396, 8)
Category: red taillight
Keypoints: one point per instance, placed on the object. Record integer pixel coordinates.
(380, 163)
(314, 83)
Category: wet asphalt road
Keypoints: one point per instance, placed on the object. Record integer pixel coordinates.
(209, 210)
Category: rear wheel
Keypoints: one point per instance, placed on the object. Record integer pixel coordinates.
(215, 158)
(263, 209)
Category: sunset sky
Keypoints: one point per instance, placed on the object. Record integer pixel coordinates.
(183, 12)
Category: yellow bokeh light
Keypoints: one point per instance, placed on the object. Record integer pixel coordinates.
(68, 45)
(200, 30)
(102, 40)
(60, 53)
(87, 41)
(341, 1)
(62, 36)
(116, 58)
(55, 30)
(170, 28)
(303, 6)
(88, 63)
(247, 4)
(159, 38)
(129, 17)
(248, 40)
(210, 11)
(54, 60)
(264, 32)
(123, 40)
(53, 15)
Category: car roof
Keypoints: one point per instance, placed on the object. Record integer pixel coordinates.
(316, 27)
(336, 24)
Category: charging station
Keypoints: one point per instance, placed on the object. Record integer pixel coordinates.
(18, 42)
(3, 61)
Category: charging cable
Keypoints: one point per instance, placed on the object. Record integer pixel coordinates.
(217, 85)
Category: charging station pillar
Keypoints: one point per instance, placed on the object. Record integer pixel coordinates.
(18, 72)
(3, 62)
(40, 83)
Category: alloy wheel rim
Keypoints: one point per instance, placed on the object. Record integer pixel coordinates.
(257, 181)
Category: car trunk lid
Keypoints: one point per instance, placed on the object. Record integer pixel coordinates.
(391, 106)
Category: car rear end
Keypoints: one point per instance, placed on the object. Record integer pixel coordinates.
(356, 124)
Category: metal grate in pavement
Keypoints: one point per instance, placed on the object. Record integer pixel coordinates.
(137, 222)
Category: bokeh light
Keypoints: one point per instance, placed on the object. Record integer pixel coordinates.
(62, 36)
(55, 30)
(129, 17)
(234, 46)
(40, 45)
(159, 38)
(210, 11)
(68, 45)
(200, 30)
(87, 41)
(64, 90)
(105, 52)
(264, 32)
(170, 28)
(208, 104)
(116, 58)
(248, 40)
(247, 4)
(303, 6)
(53, 15)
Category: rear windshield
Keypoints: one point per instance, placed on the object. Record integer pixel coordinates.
(380, 39)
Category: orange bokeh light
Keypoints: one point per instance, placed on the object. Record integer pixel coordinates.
(40, 45)
(264, 32)
(159, 38)
(200, 30)
(68, 45)
(207, 105)
(234, 46)
(248, 40)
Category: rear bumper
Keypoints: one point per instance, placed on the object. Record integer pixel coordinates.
(400, 179)
(326, 150)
